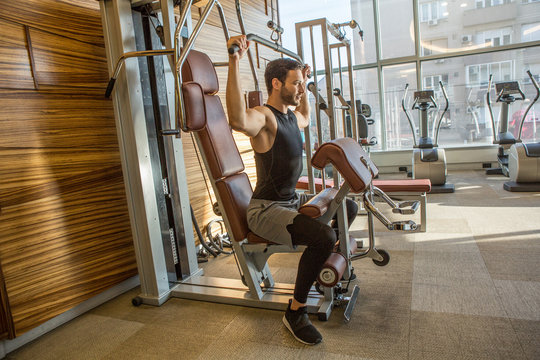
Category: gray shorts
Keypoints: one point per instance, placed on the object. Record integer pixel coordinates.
(269, 219)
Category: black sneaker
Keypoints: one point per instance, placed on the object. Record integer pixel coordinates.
(300, 326)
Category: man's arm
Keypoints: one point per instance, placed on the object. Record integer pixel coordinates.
(303, 110)
(247, 121)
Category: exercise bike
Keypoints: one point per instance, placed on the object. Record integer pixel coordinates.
(524, 159)
(428, 160)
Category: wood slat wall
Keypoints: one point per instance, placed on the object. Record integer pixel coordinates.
(64, 226)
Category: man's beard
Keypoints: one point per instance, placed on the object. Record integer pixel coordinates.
(288, 98)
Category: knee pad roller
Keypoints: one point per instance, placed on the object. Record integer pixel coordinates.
(332, 270)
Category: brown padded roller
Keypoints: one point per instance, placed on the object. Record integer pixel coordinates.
(332, 270)
(346, 155)
(318, 205)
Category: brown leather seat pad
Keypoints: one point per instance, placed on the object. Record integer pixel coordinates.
(256, 239)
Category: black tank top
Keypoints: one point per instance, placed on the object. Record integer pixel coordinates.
(279, 168)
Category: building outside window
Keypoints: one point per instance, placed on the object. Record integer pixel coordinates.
(468, 28)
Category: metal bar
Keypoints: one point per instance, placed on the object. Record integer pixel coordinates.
(274, 46)
(352, 96)
(436, 137)
(250, 57)
(535, 84)
(183, 55)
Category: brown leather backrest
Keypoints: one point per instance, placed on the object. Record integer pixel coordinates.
(204, 113)
(349, 159)
(235, 192)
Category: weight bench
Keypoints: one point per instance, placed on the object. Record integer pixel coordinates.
(204, 116)
(408, 189)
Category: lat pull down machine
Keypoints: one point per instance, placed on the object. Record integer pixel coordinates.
(165, 250)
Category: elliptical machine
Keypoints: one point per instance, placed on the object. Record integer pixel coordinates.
(428, 161)
(507, 93)
(524, 159)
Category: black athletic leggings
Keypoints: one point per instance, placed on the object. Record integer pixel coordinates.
(320, 240)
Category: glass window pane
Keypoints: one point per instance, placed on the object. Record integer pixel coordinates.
(530, 32)
(398, 131)
(337, 12)
(364, 51)
(468, 26)
(468, 120)
(367, 91)
(396, 27)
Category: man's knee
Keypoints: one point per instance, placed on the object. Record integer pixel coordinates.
(307, 231)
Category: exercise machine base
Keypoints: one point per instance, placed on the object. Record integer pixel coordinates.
(521, 187)
(494, 171)
(442, 189)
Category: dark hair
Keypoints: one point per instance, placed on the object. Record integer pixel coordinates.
(279, 69)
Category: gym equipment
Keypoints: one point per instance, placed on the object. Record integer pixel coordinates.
(524, 159)
(507, 93)
(428, 160)
(195, 106)
(330, 107)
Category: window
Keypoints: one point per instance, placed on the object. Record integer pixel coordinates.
(478, 75)
(495, 37)
(530, 32)
(488, 3)
(432, 82)
(397, 28)
(433, 11)
(436, 46)
(398, 132)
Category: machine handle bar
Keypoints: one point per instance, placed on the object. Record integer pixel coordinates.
(413, 128)
(276, 47)
(490, 109)
(535, 84)
(442, 115)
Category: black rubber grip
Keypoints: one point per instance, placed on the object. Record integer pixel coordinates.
(110, 87)
(234, 48)
(169, 132)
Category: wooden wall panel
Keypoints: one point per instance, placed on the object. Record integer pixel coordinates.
(64, 226)
(14, 74)
(6, 321)
(61, 61)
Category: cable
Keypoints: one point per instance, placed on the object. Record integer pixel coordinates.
(198, 230)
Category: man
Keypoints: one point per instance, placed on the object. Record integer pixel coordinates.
(274, 132)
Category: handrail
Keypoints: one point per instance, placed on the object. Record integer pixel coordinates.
(411, 123)
(128, 55)
(491, 110)
(442, 115)
(535, 84)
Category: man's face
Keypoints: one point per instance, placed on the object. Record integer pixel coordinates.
(292, 90)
